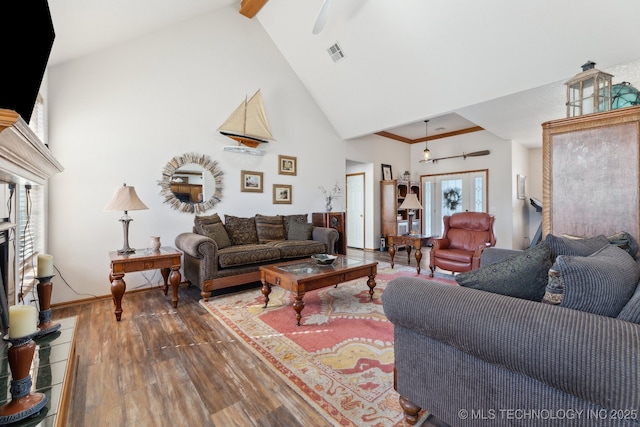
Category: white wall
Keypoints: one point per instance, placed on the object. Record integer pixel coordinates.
(375, 150)
(498, 162)
(519, 166)
(119, 115)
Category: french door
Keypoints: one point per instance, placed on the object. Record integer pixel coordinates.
(451, 193)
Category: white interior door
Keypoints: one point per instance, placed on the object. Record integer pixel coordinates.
(451, 193)
(355, 210)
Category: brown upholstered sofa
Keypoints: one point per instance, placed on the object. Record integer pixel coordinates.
(219, 255)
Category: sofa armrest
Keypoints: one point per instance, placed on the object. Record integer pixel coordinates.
(197, 245)
(442, 243)
(477, 254)
(592, 357)
(326, 235)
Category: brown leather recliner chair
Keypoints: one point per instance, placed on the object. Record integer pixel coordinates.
(465, 236)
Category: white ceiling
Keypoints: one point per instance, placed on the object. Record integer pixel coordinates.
(498, 64)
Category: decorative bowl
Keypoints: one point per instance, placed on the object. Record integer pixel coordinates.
(324, 259)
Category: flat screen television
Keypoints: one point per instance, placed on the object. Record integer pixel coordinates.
(27, 35)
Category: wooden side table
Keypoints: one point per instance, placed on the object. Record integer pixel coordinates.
(167, 259)
(417, 241)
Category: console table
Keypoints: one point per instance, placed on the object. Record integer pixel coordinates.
(417, 241)
(166, 259)
(52, 373)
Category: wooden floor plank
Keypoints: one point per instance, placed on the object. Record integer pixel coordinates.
(162, 366)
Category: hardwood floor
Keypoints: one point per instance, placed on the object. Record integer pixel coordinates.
(164, 367)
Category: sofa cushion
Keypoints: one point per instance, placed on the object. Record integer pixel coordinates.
(601, 283)
(217, 232)
(288, 219)
(239, 255)
(269, 228)
(200, 222)
(622, 239)
(581, 247)
(522, 275)
(299, 248)
(300, 231)
(242, 231)
(631, 311)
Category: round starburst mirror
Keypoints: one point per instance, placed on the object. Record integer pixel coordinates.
(191, 183)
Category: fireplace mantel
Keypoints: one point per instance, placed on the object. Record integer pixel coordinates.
(24, 159)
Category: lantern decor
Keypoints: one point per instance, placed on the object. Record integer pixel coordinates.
(588, 91)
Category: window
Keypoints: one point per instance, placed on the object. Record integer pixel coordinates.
(30, 210)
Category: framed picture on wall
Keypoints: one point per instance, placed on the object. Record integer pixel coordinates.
(287, 165)
(386, 172)
(282, 194)
(251, 181)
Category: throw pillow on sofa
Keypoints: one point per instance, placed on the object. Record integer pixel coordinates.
(269, 228)
(523, 275)
(300, 231)
(218, 233)
(601, 283)
(580, 247)
(201, 222)
(242, 231)
(288, 219)
(622, 239)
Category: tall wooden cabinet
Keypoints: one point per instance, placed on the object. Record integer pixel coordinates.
(591, 174)
(395, 221)
(335, 220)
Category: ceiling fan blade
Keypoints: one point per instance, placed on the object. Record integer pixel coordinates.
(322, 17)
(477, 153)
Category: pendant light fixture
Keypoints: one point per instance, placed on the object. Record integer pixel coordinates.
(427, 153)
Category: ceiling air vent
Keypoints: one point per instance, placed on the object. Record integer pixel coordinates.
(335, 52)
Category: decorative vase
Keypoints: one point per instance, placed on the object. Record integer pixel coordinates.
(154, 245)
(328, 205)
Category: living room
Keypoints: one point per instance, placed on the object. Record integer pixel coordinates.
(119, 114)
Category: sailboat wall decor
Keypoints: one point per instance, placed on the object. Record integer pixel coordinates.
(248, 126)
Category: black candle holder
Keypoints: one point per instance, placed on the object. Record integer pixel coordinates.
(23, 403)
(45, 287)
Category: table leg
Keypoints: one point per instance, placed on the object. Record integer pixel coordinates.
(298, 305)
(392, 252)
(371, 283)
(118, 287)
(174, 278)
(266, 290)
(408, 247)
(418, 253)
(165, 278)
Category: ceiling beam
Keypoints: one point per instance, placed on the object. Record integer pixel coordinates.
(432, 137)
(250, 8)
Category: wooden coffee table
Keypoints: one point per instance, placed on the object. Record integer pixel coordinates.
(301, 276)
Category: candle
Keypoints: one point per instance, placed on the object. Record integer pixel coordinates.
(23, 320)
(45, 265)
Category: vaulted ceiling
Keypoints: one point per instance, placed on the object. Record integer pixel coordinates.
(497, 64)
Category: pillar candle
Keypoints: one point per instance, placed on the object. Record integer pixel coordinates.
(23, 320)
(45, 265)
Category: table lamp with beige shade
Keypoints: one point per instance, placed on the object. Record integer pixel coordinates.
(125, 199)
(411, 203)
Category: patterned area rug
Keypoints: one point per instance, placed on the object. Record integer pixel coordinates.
(340, 358)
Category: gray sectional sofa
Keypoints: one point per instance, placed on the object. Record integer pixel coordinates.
(219, 255)
(472, 355)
